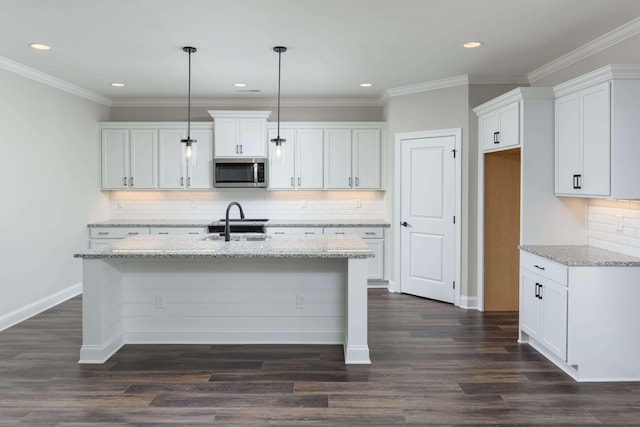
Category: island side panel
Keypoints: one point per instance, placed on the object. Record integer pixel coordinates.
(102, 310)
(356, 348)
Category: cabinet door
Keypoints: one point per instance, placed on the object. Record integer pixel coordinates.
(200, 171)
(143, 159)
(226, 134)
(115, 159)
(596, 140)
(488, 125)
(172, 165)
(337, 159)
(282, 171)
(376, 264)
(309, 165)
(366, 159)
(530, 314)
(568, 146)
(509, 117)
(554, 318)
(252, 137)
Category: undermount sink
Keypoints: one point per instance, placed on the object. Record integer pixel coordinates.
(238, 237)
(245, 220)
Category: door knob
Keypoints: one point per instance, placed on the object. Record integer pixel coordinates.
(404, 224)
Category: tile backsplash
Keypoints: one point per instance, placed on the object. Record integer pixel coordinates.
(615, 225)
(210, 205)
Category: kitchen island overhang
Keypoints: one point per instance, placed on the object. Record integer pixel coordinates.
(158, 289)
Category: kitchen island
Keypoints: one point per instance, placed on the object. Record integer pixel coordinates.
(163, 289)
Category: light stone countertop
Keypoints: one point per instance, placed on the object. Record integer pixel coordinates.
(582, 256)
(190, 246)
(270, 223)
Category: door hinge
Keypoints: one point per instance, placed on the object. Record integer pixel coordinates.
(454, 153)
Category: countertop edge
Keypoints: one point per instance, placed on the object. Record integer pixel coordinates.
(581, 256)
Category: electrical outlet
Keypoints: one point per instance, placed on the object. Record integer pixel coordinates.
(161, 301)
(300, 302)
(619, 223)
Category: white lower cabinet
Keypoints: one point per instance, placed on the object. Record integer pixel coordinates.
(374, 238)
(178, 230)
(102, 236)
(291, 231)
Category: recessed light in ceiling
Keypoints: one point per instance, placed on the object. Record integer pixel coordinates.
(117, 84)
(366, 84)
(471, 45)
(240, 84)
(40, 46)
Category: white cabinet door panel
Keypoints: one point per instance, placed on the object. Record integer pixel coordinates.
(596, 140)
(554, 318)
(366, 159)
(252, 138)
(143, 159)
(171, 159)
(282, 171)
(568, 146)
(115, 158)
(337, 159)
(226, 138)
(309, 159)
(200, 176)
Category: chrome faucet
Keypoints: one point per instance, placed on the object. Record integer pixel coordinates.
(227, 229)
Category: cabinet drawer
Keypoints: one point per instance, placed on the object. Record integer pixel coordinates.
(363, 232)
(278, 231)
(544, 267)
(178, 230)
(117, 232)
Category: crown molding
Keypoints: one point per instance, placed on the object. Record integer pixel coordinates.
(514, 95)
(612, 38)
(423, 87)
(245, 102)
(601, 75)
(473, 79)
(49, 80)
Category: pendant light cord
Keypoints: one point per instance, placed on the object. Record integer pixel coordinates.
(279, 49)
(189, 101)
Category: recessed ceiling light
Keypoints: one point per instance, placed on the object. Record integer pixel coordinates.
(366, 84)
(471, 45)
(40, 46)
(117, 84)
(240, 84)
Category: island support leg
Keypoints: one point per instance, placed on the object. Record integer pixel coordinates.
(356, 348)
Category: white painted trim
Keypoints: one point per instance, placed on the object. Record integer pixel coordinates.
(325, 125)
(493, 80)
(37, 307)
(470, 303)
(612, 38)
(395, 284)
(601, 75)
(423, 87)
(246, 102)
(514, 95)
(39, 76)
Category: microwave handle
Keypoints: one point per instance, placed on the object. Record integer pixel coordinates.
(255, 172)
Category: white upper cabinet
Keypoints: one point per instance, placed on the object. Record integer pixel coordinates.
(596, 131)
(129, 159)
(353, 159)
(175, 172)
(282, 170)
(337, 159)
(500, 129)
(240, 133)
(309, 166)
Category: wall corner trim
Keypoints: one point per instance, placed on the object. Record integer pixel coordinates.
(424, 87)
(21, 314)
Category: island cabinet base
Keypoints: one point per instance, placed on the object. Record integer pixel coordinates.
(224, 301)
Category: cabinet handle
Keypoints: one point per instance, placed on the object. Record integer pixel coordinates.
(338, 232)
(357, 182)
(496, 137)
(299, 182)
(132, 233)
(181, 181)
(189, 182)
(237, 149)
(349, 181)
(537, 295)
(279, 232)
(370, 233)
(103, 233)
(309, 232)
(577, 184)
(131, 182)
(292, 184)
(124, 181)
(240, 148)
(163, 232)
(538, 267)
(540, 291)
(193, 232)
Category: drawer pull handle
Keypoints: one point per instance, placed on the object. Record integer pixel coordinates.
(309, 232)
(538, 267)
(103, 233)
(279, 232)
(193, 232)
(339, 232)
(370, 233)
(163, 232)
(132, 233)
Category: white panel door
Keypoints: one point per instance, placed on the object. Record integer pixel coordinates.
(143, 159)
(115, 158)
(366, 159)
(596, 140)
(309, 165)
(337, 159)
(427, 235)
(200, 176)
(282, 172)
(172, 169)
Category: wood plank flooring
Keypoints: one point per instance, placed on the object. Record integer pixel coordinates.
(433, 365)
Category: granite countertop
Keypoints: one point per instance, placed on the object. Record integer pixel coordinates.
(582, 256)
(167, 246)
(270, 223)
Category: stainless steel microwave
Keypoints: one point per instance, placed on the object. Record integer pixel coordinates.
(240, 172)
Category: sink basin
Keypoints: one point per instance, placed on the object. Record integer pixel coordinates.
(237, 228)
(245, 220)
(238, 237)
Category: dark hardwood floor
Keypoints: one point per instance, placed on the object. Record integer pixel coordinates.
(433, 364)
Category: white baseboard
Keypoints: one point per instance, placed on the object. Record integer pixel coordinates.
(13, 318)
(470, 303)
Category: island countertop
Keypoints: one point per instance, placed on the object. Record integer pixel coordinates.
(582, 256)
(269, 223)
(198, 246)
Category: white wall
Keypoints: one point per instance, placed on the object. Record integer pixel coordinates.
(49, 169)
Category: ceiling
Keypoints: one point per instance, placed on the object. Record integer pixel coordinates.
(333, 45)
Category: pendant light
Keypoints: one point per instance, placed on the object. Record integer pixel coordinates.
(190, 149)
(278, 154)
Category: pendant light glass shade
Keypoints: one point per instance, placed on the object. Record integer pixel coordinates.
(278, 152)
(190, 148)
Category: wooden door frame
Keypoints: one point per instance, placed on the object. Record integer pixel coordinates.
(396, 285)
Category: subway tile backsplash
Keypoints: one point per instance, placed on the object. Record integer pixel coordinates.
(211, 205)
(615, 225)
